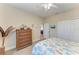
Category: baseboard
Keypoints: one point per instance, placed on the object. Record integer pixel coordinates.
(10, 48)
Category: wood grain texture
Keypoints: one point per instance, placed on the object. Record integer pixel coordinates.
(2, 51)
(23, 38)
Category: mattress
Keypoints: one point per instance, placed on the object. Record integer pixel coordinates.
(56, 46)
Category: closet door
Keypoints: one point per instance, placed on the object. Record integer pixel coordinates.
(65, 30)
(68, 30)
(76, 30)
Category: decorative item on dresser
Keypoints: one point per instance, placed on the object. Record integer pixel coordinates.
(23, 38)
(4, 34)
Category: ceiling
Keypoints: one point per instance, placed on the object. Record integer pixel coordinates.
(36, 9)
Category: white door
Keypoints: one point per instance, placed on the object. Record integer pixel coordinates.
(46, 30)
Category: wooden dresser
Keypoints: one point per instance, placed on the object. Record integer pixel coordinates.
(23, 38)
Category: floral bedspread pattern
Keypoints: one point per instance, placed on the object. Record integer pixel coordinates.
(56, 46)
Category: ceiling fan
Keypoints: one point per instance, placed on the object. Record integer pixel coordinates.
(48, 6)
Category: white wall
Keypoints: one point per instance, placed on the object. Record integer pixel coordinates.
(12, 16)
(67, 15)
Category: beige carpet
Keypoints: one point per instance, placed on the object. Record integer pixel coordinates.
(25, 51)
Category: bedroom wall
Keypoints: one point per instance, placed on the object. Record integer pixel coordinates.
(1, 20)
(67, 24)
(16, 17)
(66, 15)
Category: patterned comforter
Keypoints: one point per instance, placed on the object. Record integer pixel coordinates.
(56, 46)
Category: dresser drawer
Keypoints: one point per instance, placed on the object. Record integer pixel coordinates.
(24, 44)
(24, 37)
(24, 34)
(24, 41)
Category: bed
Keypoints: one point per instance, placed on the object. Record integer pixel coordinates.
(56, 46)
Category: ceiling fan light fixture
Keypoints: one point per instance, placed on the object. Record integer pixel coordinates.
(48, 6)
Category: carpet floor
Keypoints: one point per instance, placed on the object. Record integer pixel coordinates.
(25, 51)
